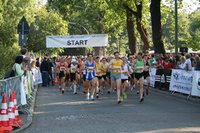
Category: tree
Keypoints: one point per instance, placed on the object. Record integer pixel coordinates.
(156, 26)
(46, 23)
(194, 30)
(10, 14)
(140, 27)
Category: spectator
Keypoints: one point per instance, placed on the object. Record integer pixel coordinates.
(182, 62)
(38, 62)
(24, 52)
(197, 63)
(19, 70)
(188, 63)
(152, 60)
(44, 68)
(168, 64)
(160, 63)
(50, 64)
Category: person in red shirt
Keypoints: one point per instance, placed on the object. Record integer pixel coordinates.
(62, 68)
(160, 63)
(168, 64)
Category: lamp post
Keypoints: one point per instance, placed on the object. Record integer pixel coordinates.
(96, 13)
(73, 23)
(176, 28)
(79, 25)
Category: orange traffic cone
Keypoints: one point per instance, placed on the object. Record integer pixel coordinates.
(4, 117)
(56, 80)
(11, 110)
(17, 118)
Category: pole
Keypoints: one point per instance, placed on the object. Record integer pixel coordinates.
(23, 34)
(176, 28)
(73, 23)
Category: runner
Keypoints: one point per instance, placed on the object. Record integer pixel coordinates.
(90, 77)
(139, 75)
(98, 76)
(73, 74)
(62, 68)
(116, 67)
(83, 70)
(146, 73)
(105, 75)
(125, 76)
(67, 77)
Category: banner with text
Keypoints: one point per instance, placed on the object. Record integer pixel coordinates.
(77, 41)
(196, 84)
(152, 73)
(181, 81)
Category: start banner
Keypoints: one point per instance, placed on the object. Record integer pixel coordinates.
(181, 81)
(77, 41)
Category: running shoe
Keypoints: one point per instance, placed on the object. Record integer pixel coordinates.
(141, 100)
(125, 95)
(97, 95)
(92, 97)
(63, 91)
(121, 98)
(88, 96)
(118, 102)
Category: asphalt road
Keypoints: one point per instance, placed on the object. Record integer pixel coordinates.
(68, 113)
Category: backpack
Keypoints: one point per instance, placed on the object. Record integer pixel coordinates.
(11, 72)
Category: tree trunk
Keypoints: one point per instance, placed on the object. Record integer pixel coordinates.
(156, 26)
(140, 27)
(131, 31)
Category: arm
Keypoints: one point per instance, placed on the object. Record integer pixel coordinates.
(19, 70)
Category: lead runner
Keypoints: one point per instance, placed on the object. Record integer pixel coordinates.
(116, 67)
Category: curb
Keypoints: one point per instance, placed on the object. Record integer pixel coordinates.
(176, 95)
(29, 112)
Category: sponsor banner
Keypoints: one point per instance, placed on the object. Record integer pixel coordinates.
(181, 81)
(152, 73)
(77, 41)
(196, 84)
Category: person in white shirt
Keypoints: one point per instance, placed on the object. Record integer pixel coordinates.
(188, 63)
(124, 78)
(182, 63)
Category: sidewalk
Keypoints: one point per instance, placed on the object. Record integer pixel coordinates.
(26, 114)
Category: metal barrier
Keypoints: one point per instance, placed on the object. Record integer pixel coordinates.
(9, 85)
(25, 89)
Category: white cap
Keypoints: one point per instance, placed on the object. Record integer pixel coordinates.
(73, 60)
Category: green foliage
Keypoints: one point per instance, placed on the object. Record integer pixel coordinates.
(12, 12)
(46, 23)
(7, 55)
(168, 27)
(195, 30)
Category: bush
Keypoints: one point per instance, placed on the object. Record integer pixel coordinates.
(7, 54)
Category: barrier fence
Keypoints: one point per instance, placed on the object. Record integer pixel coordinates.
(23, 87)
(176, 80)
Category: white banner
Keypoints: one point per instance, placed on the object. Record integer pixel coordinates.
(181, 81)
(22, 92)
(196, 84)
(77, 41)
(152, 73)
